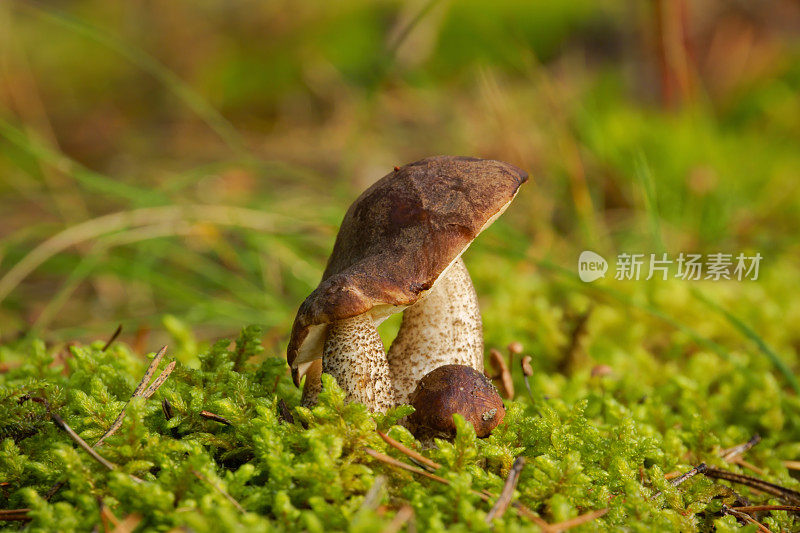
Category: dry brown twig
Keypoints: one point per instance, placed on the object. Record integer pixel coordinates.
(502, 503)
(61, 423)
(389, 460)
(142, 390)
(750, 466)
(208, 415)
(789, 495)
(731, 453)
(403, 515)
(502, 373)
(113, 337)
(411, 454)
(746, 517)
(577, 521)
(15, 515)
(792, 465)
(128, 524)
(483, 495)
(760, 508)
(82, 443)
(675, 481)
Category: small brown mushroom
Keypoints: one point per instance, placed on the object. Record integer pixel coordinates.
(454, 389)
(399, 250)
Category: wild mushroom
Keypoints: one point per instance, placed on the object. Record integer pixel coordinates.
(454, 389)
(399, 248)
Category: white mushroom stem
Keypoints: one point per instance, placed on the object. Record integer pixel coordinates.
(313, 384)
(353, 354)
(443, 328)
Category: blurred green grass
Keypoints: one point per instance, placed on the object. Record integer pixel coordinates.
(290, 110)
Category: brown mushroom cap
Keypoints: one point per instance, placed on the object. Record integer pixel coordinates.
(396, 240)
(454, 389)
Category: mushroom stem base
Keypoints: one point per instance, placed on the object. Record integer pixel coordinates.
(354, 355)
(441, 329)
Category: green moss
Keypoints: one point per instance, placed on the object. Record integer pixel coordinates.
(591, 446)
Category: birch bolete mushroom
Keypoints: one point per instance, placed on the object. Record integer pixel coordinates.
(449, 390)
(399, 249)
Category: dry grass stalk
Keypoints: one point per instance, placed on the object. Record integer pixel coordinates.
(730, 454)
(400, 464)
(113, 337)
(746, 517)
(792, 465)
(82, 443)
(141, 391)
(577, 521)
(15, 515)
(413, 455)
(403, 515)
(750, 466)
(108, 519)
(483, 495)
(760, 508)
(677, 478)
(502, 503)
(789, 495)
(208, 415)
(128, 524)
(502, 373)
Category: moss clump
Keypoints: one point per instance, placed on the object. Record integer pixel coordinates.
(601, 444)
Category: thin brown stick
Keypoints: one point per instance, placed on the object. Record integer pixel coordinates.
(373, 496)
(689, 474)
(759, 508)
(483, 495)
(787, 494)
(750, 466)
(746, 517)
(220, 490)
(504, 500)
(502, 373)
(729, 454)
(15, 515)
(148, 374)
(403, 515)
(107, 518)
(578, 520)
(159, 380)
(208, 415)
(413, 455)
(111, 339)
(792, 465)
(128, 524)
(389, 460)
(151, 369)
(82, 443)
(683, 477)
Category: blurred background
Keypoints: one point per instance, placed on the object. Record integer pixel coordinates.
(181, 168)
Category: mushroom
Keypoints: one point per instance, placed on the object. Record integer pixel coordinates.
(399, 249)
(454, 389)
